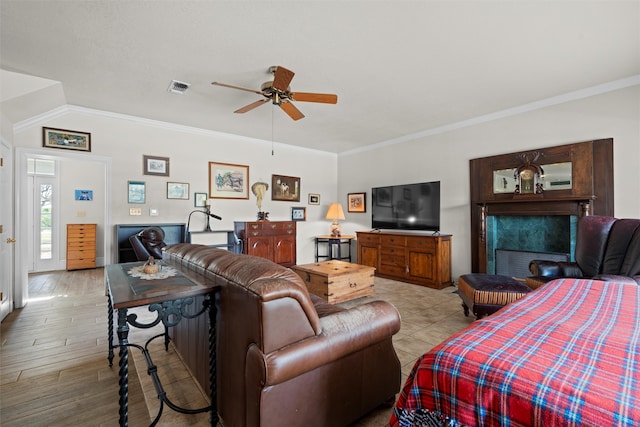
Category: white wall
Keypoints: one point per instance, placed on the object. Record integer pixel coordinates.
(125, 140)
(77, 174)
(445, 157)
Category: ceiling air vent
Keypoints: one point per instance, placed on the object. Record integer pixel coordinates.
(178, 87)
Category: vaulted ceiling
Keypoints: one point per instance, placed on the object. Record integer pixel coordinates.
(400, 68)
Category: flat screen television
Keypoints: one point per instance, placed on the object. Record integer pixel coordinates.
(406, 207)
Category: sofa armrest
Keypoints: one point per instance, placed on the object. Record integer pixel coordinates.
(570, 269)
(343, 333)
(541, 267)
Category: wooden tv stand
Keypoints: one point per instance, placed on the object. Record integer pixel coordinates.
(419, 258)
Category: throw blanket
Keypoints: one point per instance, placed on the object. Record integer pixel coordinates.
(568, 354)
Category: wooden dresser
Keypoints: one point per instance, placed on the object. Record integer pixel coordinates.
(274, 240)
(421, 259)
(81, 246)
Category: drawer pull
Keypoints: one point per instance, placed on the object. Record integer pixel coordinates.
(255, 233)
(254, 226)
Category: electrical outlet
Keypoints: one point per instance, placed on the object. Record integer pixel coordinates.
(153, 212)
(81, 214)
(135, 211)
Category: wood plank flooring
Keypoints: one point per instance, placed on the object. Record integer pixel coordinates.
(54, 369)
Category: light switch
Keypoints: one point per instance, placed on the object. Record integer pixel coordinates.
(135, 211)
(81, 214)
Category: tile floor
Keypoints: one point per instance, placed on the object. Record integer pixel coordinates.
(42, 342)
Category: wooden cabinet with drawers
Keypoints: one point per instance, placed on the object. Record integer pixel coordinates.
(81, 246)
(274, 240)
(421, 259)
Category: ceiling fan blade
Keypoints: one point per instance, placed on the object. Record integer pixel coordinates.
(291, 110)
(281, 79)
(326, 98)
(237, 87)
(251, 106)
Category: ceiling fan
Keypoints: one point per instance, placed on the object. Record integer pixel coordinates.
(279, 93)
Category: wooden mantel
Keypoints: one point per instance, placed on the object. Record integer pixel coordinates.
(591, 192)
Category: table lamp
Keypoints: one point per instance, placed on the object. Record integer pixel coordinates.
(335, 213)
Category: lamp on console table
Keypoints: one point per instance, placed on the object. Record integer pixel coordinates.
(335, 213)
(208, 213)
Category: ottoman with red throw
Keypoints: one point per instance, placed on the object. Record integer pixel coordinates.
(485, 294)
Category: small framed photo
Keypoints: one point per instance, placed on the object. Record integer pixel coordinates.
(153, 165)
(314, 199)
(357, 202)
(136, 191)
(85, 195)
(298, 214)
(228, 181)
(200, 200)
(177, 190)
(67, 139)
(285, 188)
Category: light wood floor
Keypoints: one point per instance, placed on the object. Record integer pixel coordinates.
(54, 369)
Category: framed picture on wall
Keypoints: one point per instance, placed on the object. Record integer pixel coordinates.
(314, 199)
(228, 181)
(84, 195)
(200, 200)
(285, 188)
(136, 191)
(299, 214)
(153, 165)
(67, 139)
(177, 190)
(357, 202)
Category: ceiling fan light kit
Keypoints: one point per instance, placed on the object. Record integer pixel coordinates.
(279, 93)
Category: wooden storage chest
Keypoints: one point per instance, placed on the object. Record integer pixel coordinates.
(81, 246)
(337, 281)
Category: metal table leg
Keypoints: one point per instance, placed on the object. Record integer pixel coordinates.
(123, 373)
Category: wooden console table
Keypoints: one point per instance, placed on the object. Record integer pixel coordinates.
(170, 293)
(420, 259)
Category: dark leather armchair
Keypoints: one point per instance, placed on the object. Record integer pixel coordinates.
(607, 248)
(148, 242)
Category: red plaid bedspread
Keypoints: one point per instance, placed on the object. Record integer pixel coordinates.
(568, 354)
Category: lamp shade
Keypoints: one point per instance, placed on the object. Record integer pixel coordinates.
(335, 212)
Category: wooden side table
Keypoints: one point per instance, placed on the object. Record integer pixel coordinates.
(334, 243)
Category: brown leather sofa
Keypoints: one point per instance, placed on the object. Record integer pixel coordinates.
(607, 248)
(284, 356)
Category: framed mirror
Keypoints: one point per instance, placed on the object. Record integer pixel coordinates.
(557, 176)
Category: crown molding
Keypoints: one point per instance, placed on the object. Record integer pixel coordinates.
(555, 100)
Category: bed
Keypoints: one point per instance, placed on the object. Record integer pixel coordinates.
(567, 354)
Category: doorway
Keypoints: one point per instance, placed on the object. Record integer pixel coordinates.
(7, 239)
(74, 171)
